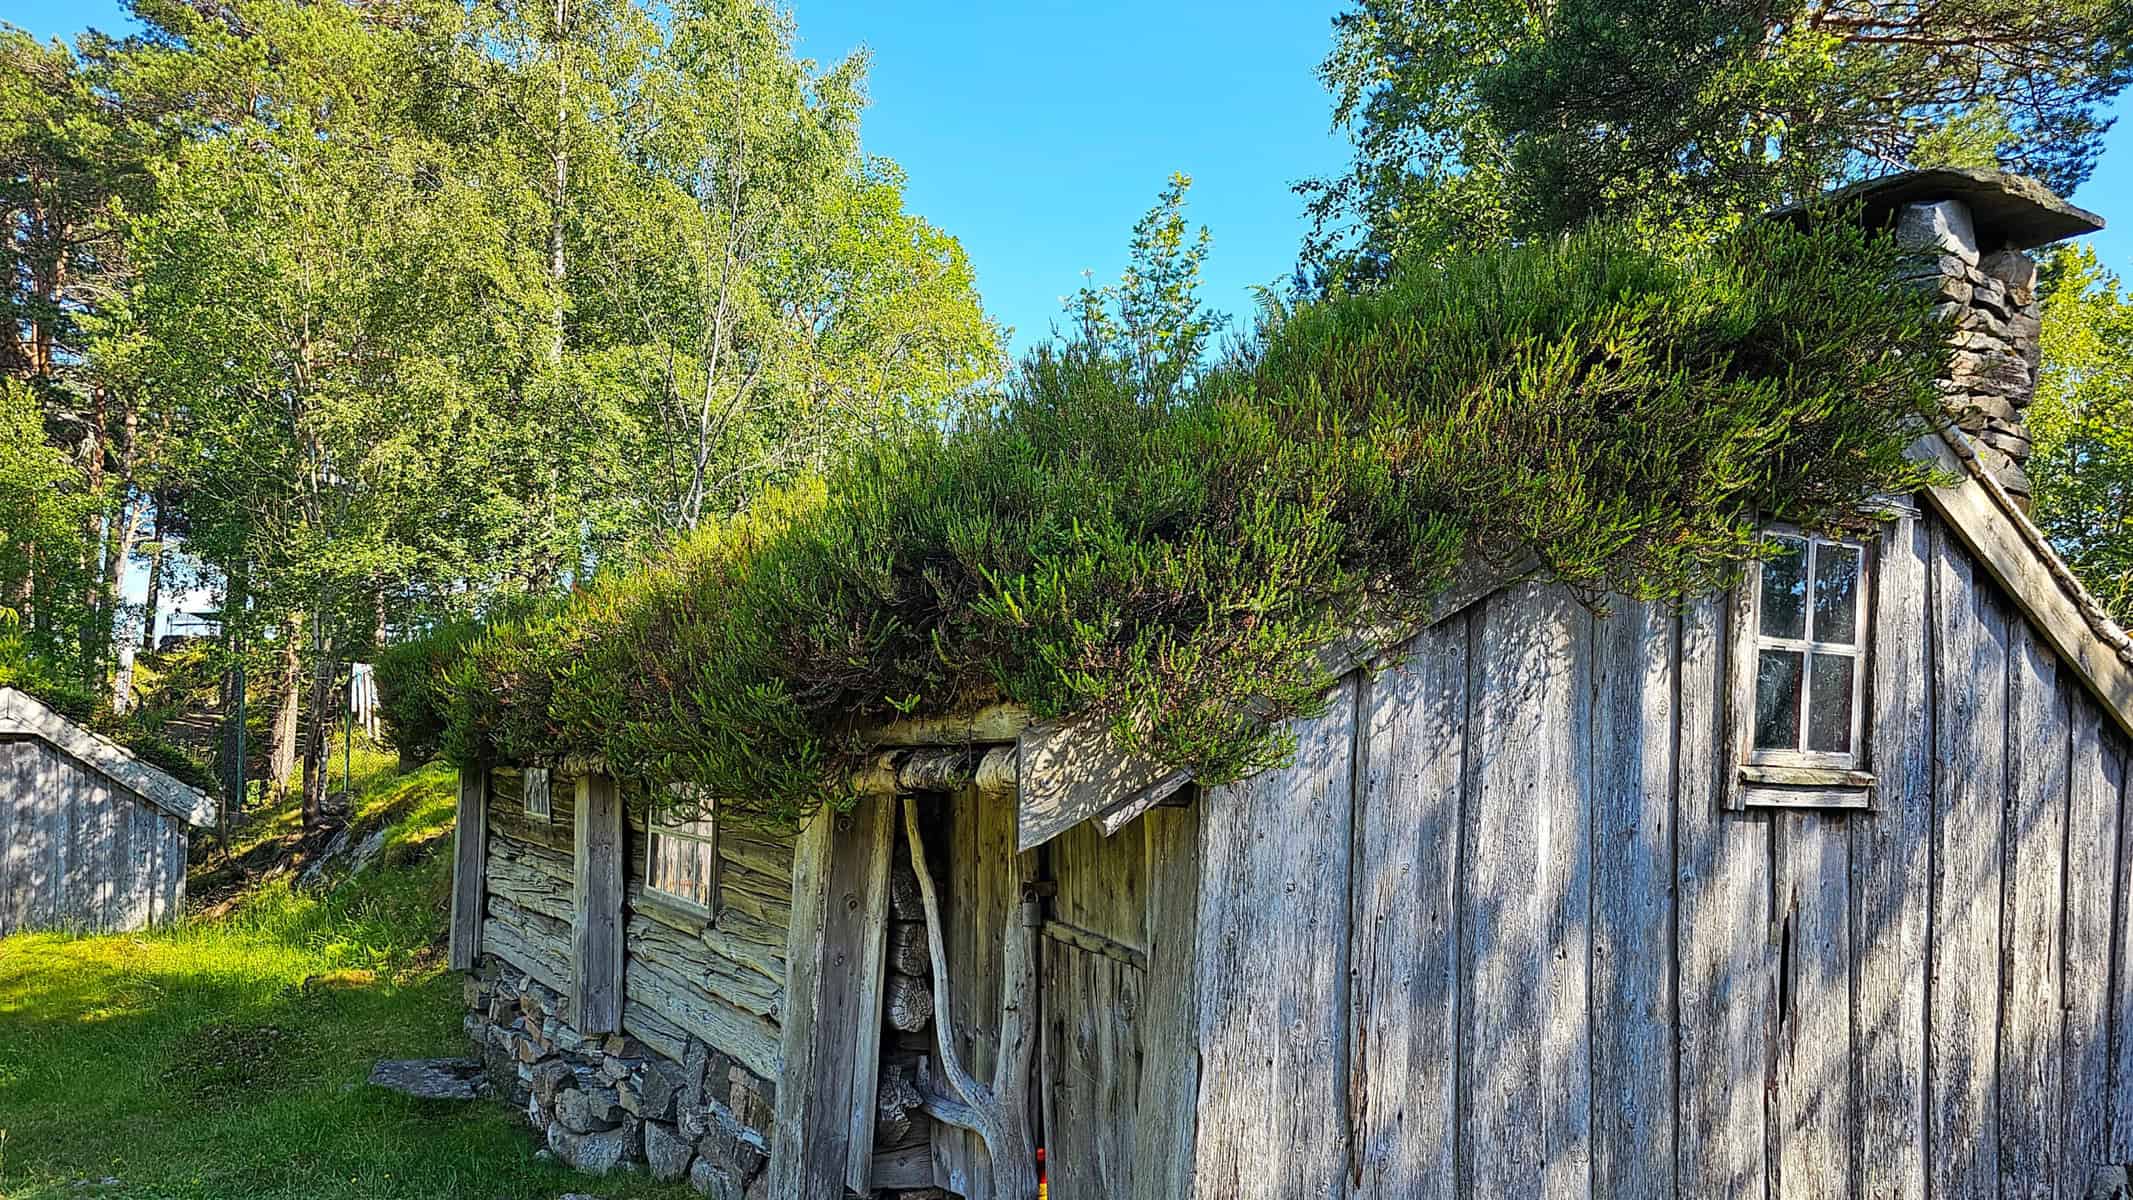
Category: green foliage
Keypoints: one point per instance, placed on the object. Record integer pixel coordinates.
(1172, 568)
(390, 312)
(44, 503)
(412, 688)
(1481, 120)
(2082, 467)
(1152, 317)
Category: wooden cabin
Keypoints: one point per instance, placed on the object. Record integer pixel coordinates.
(1820, 888)
(91, 836)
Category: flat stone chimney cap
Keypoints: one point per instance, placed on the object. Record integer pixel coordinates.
(2010, 212)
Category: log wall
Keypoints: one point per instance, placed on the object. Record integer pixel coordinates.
(719, 978)
(1493, 935)
(78, 851)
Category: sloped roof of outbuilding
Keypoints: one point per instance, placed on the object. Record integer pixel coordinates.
(1075, 771)
(22, 714)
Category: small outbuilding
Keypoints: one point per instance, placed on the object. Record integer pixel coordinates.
(1822, 888)
(91, 836)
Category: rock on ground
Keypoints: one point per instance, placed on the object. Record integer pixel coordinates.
(430, 1078)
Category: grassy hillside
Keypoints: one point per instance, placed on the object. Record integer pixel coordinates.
(227, 1059)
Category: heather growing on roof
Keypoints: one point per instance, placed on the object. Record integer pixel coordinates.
(1619, 417)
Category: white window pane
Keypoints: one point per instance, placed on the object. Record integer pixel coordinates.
(1777, 700)
(1829, 704)
(1784, 602)
(1836, 594)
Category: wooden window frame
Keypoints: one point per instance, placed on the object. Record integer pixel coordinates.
(655, 829)
(538, 781)
(1859, 650)
(1799, 778)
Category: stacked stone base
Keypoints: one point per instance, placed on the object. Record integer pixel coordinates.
(611, 1103)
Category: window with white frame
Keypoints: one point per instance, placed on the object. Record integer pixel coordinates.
(681, 855)
(1810, 653)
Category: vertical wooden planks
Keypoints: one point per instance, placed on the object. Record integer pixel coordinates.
(2096, 776)
(181, 840)
(158, 866)
(12, 805)
(1812, 1102)
(1970, 703)
(1170, 1070)
(96, 836)
(1092, 1065)
(839, 907)
(1404, 1018)
(866, 926)
(596, 908)
(794, 1158)
(2033, 856)
(1723, 891)
(2119, 1146)
(36, 840)
(69, 873)
(984, 875)
(470, 858)
(147, 840)
(1524, 921)
(1633, 1016)
(124, 885)
(1093, 1052)
(1891, 867)
(1559, 736)
(1273, 928)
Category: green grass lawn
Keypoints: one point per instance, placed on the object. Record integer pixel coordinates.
(227, 1058)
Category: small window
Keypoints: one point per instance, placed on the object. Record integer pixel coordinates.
(681, 855)
(1801, 654)
(1810, 644)
(539, 804)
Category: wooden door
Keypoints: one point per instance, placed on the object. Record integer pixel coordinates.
(1093, 978)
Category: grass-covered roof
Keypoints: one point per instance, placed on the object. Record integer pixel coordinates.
(1619, 415)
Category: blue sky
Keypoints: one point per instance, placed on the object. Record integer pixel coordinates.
(1038, 132)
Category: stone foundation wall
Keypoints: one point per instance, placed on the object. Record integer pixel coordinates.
(608, 1103)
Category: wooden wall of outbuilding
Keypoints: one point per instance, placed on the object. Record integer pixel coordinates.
(1493, 936)
(78, 851)
(720, 978)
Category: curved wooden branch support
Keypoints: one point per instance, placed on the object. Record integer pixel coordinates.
(997, 1114)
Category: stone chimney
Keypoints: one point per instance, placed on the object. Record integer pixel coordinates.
(1972, 232)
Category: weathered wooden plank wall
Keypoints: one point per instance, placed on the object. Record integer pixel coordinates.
(1094, 996)
(1494, 935)
(721, 978)
(78, 851)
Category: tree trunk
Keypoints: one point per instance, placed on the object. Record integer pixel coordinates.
(557, 209)
(154, 599)
(288, 702)
(322, 808)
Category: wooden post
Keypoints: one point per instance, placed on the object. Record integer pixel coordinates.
(1169, 1097)
(470, 860)
(831, 1029)
(596, 908)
